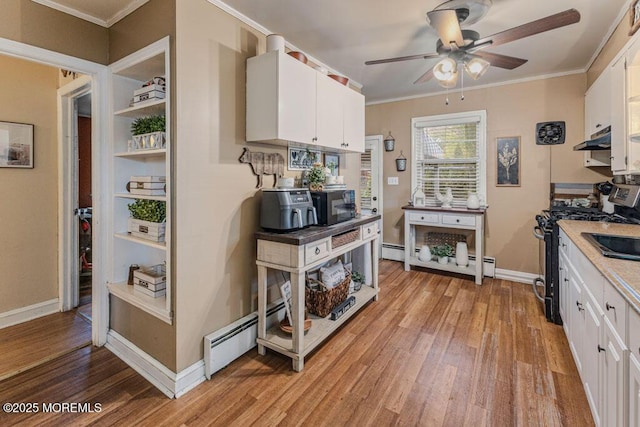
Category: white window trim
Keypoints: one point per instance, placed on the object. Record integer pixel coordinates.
(449, 119)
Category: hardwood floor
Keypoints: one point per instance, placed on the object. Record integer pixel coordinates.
(433, 351)
(38, 341)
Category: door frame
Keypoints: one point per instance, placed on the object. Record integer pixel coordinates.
(99, 134)
(376, 141)
(68, 263)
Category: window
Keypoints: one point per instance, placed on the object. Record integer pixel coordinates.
(449, 151)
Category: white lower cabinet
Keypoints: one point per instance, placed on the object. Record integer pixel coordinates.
(602, 342)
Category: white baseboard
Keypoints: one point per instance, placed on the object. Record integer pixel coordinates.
(23, 314)
(392, 252)
(167, 381)
(515, 276)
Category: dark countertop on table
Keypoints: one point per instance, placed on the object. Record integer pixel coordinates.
(479, 211)
(315, 232)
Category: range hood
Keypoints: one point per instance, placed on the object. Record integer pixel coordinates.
(599, 141)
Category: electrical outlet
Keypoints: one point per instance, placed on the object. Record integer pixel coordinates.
(392, 180)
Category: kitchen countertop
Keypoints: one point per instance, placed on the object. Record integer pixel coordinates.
(623, 274)
(315, 232)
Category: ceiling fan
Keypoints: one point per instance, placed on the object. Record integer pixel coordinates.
(463, 47)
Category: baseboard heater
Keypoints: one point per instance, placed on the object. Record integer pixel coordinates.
(396, 253)
(227, 344)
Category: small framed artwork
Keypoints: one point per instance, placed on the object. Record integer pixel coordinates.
(635, 16)
(508, 161)
(303, 158)
(16, 145)
(332, 161)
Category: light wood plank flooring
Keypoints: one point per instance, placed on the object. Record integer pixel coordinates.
(433, 351)
(38, 341)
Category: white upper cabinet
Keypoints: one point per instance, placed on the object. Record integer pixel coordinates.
(597, 116)
(618, 101)
(290, 102)
(633, 109)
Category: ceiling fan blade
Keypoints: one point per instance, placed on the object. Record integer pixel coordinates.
(568, 17)
(425, 77)
(402, 58)
(446, 24)
(500, 61)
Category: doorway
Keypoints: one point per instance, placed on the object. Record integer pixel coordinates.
(371, 180)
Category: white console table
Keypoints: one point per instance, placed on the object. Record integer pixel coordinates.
(297, 253)
(456, 218)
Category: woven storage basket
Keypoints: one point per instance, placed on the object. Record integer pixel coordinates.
(434, 238)
(345, 238)
(320, 300)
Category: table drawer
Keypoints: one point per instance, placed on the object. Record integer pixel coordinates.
(454, 220)
(424, 217)
(317, 250)
(615, 308)
(369, 230)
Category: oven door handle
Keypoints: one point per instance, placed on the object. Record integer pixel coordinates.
(540, 234)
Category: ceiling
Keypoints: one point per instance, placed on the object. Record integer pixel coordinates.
(101, 12)
(344, 34)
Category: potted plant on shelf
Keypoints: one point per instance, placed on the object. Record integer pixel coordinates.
(442, 252)
(147, 220)
(149, 132)
(316, 177)
(358, 280)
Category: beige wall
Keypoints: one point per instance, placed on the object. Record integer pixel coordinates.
(31, 23)
(29, 208)
(151, 22)
(615, 43)
(218, 205)
(512, 110)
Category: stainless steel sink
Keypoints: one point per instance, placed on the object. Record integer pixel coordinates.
(621, 247)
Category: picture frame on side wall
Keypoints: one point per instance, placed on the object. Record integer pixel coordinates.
(332, 161)
(634, 14)
(16, 145)
(301, 159)
(508, 161)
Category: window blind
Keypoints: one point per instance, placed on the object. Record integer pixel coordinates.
(365, 179)
(449, 154)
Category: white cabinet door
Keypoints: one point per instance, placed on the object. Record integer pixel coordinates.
(634, 390)
(598, 103)
(615, 353)
(329, 116)
(592, 358)
(281, 99)
(564, 293)
(633, 108)
(618, 134)
(576, 309)
(354, 121)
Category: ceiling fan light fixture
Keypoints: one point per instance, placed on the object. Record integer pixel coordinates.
(476, 67)
(445, 69)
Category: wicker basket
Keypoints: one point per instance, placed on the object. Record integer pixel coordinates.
(320, 300)
(345, 238)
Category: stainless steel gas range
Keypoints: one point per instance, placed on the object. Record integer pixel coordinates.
(546, 288)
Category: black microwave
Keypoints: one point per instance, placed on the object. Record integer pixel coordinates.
(334, 206)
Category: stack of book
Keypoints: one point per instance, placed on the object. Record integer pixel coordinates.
(147, 185)
(151, 281)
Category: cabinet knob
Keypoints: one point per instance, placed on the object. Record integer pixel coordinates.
(422, 218)
(317, 251)
(314, 139)
(600, 349)
(579, 305)
(457, 220)
(599, 125)
(566, 280)
(609, 307)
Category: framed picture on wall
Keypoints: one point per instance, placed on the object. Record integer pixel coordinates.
(16, 145)
(302, 158)
(508, 161)
(332, 161)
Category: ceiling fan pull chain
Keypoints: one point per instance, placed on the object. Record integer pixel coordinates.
(446, 100)
(462, 85)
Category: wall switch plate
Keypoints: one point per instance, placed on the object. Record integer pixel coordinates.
(392, 180)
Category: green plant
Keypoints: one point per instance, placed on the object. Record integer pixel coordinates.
(333, 166)
(148, 124)
(357, 277)
(316, 174)
(148, 210)
(442, 250)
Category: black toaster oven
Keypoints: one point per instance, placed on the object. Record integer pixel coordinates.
(334, 206)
